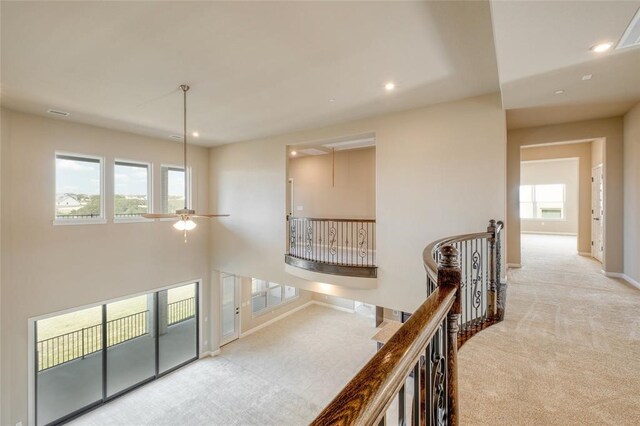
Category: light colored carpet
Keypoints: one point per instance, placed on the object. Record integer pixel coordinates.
(283, 374)
(568, 352)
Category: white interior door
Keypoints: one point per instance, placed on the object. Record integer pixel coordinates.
(230, 308)
(597, 213)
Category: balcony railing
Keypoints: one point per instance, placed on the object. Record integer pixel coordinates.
(181, 310)
(333, 246)
(88, 340)
(419, 363)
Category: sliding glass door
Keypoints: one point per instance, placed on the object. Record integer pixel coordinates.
(177, 326)
(86, 357)
(68, 364)
(131, 347)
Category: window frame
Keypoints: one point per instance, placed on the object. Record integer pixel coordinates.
(188, 177)
(77, 221)
(536, 204)
(150, 208)
(268, 307)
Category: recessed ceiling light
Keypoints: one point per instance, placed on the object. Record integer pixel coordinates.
(58, 112)
(195, 134)
(587, 77)
(602, 47)
(294, 153)
(559, 92)
(332, 99)
(390, 86)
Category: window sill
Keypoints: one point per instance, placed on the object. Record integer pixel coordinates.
(272, 309)
(57, 222)
(131, 220)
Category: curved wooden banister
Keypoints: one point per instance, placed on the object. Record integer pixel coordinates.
(463, 299)
(366, 397)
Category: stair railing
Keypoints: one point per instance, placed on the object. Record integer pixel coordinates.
(413, 378)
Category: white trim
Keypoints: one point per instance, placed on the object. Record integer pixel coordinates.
(237, 316)
(631, 281)
(103, 193)
(149, 167)
(132, 220)
(549, 233)
(622, 276)
(64, 222)
(208, 354)
(189, 195)
(339, 308)
(273, 320)
(514, 265)
(584, 253)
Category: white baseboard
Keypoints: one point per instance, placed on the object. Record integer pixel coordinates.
(549, 233)
(584, 253)
(514, 265)
(622, 276)
(631, 281)
(209, 353)
(339, 308)
(273, 320)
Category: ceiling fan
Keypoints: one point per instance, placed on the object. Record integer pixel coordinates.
(184, 215)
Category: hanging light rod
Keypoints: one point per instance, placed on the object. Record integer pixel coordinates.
(184, 215)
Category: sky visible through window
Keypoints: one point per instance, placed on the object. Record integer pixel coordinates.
(77, 177)
(130, 180)
(176, 183)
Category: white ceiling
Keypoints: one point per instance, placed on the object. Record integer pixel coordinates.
(542, 47)
(264, 68)
(255, 69)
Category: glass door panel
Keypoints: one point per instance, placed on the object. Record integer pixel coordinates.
(68, 363)
(177, 326)
(230, 308)
(131, 348)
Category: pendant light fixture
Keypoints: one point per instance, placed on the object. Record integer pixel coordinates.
(184, 215)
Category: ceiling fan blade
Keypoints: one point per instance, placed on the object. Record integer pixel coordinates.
(159, 215)
(210, 215)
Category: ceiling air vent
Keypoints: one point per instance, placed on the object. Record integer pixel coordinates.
(176, 137)
(57, 112)
(631, 36)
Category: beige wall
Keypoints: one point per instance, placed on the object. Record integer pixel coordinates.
(632, 193)
(545, 172)
(597, 152)
(47, 268)
(249, 322)
(431, 182)
(610, 129)
(352, 197)
(339, 302)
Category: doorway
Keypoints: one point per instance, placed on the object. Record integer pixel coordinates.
(597, 213)
(229, 308)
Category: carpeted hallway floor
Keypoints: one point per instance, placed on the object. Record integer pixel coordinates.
(568, 352)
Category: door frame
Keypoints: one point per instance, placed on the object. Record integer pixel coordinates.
(238, 301)
(601, 217)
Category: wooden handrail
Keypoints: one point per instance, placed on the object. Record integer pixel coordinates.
(324, 219)
(367, 396)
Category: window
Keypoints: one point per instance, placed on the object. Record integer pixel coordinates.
(172, 189)
(132, 192)
(79, 191)
(266, 295)
(542, 201)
